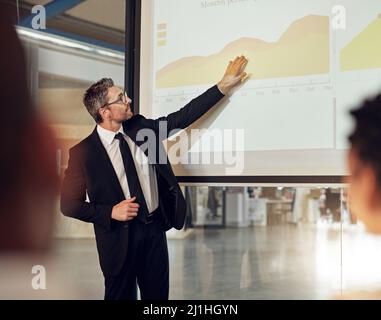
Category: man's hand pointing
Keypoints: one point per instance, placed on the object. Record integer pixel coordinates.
(234, 74)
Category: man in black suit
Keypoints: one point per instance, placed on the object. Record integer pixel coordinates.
(133, 195)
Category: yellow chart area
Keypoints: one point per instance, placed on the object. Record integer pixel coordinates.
(364, 51)
(302, 50)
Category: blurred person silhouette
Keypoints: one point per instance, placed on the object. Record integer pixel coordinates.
(28, 184)
(364, 164)
(212, 203)
(332, 203)
(322, 203)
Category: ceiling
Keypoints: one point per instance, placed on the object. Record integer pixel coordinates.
(108, 13)
(102, 20)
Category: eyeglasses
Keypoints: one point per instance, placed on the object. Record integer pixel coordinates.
(122, 99)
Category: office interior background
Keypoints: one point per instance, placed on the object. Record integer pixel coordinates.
(240, 241)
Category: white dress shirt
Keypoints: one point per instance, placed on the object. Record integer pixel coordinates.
(146, 172)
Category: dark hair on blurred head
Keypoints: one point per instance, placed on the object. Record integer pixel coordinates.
(96, 96)
(366, 137)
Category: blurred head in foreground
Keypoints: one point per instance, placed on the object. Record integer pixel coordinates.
(28, 182)
(364, 161)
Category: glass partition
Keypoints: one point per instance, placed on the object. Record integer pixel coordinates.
(277, 243)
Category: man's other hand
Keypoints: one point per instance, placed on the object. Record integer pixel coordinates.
(234, 74)
(125, 210)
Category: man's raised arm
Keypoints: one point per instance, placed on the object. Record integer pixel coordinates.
(196, 108)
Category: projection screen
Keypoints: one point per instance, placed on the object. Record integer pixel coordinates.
(310, 62)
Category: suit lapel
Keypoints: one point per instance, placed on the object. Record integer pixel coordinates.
(100, 156)
(131, 130)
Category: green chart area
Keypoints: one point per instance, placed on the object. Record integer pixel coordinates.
(364, 51)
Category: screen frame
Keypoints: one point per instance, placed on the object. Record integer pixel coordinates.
(133, 34)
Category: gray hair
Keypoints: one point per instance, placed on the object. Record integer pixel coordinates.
(96, 96)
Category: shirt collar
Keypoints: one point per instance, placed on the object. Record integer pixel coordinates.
(106, 135)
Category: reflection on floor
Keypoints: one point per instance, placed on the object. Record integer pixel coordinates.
(277, 262)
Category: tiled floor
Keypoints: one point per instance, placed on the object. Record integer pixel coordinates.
(278, 262)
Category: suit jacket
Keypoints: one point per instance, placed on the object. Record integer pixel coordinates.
(90, 171)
